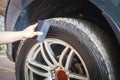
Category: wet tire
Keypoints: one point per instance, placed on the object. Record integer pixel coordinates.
(86, 38)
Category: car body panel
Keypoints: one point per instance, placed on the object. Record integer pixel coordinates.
(111, 13)
(107, 7)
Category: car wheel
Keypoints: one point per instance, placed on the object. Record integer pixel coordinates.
(73, 50)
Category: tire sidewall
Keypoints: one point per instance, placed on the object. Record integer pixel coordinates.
(77, 39)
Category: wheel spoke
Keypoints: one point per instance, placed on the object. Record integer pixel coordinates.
(77, 76)
(69, 59)
(31, 75)
(38, 72)
(50, 53)
(45, 57)
(48, 78)
(36, 53)
(62, 55)
(36, 64)
(26, 73)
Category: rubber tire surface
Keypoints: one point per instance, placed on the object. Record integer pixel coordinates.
(85, 37)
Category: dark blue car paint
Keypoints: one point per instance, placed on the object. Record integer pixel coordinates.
(106, 6)
(111, 13)
(15, 9)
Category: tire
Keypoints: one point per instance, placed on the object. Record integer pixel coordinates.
(90, 60)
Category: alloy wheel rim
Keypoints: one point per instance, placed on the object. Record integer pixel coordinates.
(54, 59)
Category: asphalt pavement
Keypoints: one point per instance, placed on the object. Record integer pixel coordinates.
(7, 68)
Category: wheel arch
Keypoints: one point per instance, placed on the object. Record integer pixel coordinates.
(86, 12)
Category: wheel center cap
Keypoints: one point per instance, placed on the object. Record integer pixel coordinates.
(61, 75)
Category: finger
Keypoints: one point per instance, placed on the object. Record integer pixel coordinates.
(34, 25)
(38, 33)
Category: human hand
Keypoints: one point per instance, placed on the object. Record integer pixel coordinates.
(30, 32)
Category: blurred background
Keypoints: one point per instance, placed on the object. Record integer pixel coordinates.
(3, 4)
(7, 68)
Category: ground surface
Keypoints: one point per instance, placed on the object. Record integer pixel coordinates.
(7, 68)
